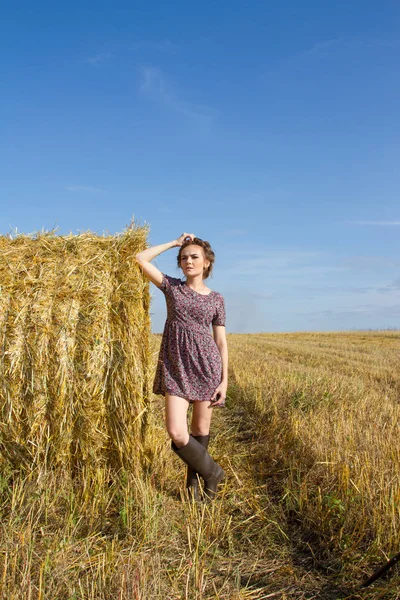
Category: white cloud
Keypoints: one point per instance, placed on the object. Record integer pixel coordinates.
(395, 285)
(326, 47)
(389, 311)
(85, 188)
(163, 47)
(379, 223)
(320, 48)
(278, 262)
(369, 263)
(157, 85)
(99, 58)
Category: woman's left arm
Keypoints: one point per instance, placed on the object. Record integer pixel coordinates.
(219, 334)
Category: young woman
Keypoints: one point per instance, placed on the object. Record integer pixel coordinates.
(192, 365)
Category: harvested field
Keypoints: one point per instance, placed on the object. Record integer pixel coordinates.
(309, 509)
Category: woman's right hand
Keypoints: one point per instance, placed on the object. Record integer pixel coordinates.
(182, 238)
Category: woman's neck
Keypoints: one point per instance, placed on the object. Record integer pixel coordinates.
(196, 283)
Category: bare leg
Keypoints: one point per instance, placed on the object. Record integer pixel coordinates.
(176, 419)
(191, 451)
(201, 418)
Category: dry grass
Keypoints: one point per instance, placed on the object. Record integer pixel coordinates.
(74, 350)
(326, 409)
(308, 418)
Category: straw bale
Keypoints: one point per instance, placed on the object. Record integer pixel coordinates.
(74, 349)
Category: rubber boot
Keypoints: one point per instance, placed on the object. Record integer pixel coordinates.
(197, 457)
(192, 480)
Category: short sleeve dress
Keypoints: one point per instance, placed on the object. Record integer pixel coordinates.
(189, 362)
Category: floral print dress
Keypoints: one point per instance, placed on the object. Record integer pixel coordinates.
(189, 363)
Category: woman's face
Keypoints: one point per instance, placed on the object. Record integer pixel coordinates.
(193, 261)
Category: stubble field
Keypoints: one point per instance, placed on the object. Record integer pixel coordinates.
(310, 507)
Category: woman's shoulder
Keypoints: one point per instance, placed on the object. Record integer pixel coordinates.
(173, 280)
(168, 282)
(217, 294)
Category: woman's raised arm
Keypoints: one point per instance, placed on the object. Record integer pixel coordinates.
(145, 257)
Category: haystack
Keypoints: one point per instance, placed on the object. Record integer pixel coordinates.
(74, 350)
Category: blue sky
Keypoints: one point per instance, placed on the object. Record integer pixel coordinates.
(270, 129)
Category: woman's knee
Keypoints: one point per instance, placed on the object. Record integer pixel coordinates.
(201, 419)
(177, 435)
(176, 419)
